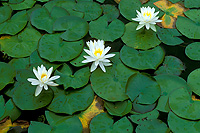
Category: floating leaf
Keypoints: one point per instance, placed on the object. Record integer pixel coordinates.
(111, 85)
(15, 1)
(38, 127)
(21, 45)
(77, 62)
(192, 3)
(149, 59)
(104, 123)
(75, 28)
(26, 4)
(5, 13)
(189, 27)
(147, 93)
(139, 39)
(42, 19)
(53, 48)
(20, 63)
(76, 80)
(168, 83)
(92, 10)
(140, 118)
(2, 106)
(110, 12)
(171, 65)
(152, 126)
(128, 8)
(7, 74)
(118, 108)
(15, 24)
(178, 124)
(169, 36)
(75, 100)
(193, 82)
(172, 11)
(101, 30)
(101, 1)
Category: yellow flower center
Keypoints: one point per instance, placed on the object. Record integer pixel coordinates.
(98, 51)
(43, 75)
(147, 14)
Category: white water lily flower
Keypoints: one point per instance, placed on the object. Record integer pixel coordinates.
(97, 55)
(147, 18)
(44, 79)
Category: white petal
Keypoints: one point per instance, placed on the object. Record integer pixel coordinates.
(104, 60)
(36, 73)
(153, 27)
(38, 90)
(49, 72)
(88, 52)
(89, 58)
(52, 84)
(136, 19)
(147, 26)
(109, 55)
(106, 50)
(31, 79)
(139, 26)
(102, 67)
(96, 62)
(45, 87)
(93, 67)
(54, 77)
(86, 61)
(107, 64)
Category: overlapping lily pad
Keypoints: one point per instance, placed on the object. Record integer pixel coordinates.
(26, 4)
(2, 106)
(5, 13)
(111, 85)
(110, 12)
(104, 123)
(193, 81)
(21, 63)
(191, 3)
(38, 127)
(76, 80)
(53, 48)
(147, 93)
(21, 45)
(101, 30)
(78, 60)
(15, 24)
(192, 51)
(139, 39)
(149, 59)
(72, 100)
(75, 28)
(7, 74)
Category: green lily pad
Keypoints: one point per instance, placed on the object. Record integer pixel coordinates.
(147, 93)
(193, 82)
(21, 45)
(77, 62)
(101, 30)
(7, 74)
(75, 100)
(5, 13)
(91, 10)
(139, 39)
(181, 103)
(75, 28)
(39, 127)
(111, 85)
(192, 14)
(20, 63)
(180, 125)
(188, 27)
(15, 24)
(101, 1)
(42, 19)
(110, 12)
(168, 83)
(171, 65)
(192, 51)
(140, 118)
(104, 123)
(2, 106)
(118, 108)
(169, 36)
(11, 110)
(142, 60)
(53, 48)
(26, 4)
(128, 8)
(152, 126)
(76, 80)
(192, 3)
(15, 1)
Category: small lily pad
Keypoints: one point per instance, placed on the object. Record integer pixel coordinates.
(101, 30)
(139, 39)
(193, 81)
(171, 65)
(142, 60)
(192, 51)
(5, 13)
(53, 48)
(76, 80)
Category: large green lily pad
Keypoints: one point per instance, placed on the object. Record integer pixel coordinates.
(192, 51)
(139, 39)
(38, 127)
(5, 13)
(20, 63)
(75, 28)
(101, 30)
(21, 45)
(7, 74)
(53, 48)
(71, 101)
(149, 59)
(192, 3)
